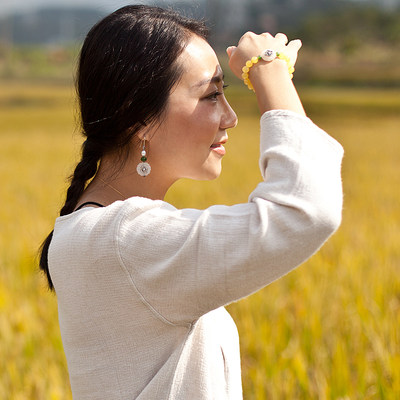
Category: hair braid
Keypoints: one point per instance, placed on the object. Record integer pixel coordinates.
(84, 170)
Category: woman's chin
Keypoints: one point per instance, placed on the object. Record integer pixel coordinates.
(206, 175)
(211, 175)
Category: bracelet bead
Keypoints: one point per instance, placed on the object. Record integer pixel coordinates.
(267, 55)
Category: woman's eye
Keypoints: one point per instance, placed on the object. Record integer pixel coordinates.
(214, 95)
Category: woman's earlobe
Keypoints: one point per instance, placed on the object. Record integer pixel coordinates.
(147, 131)
(143, 134)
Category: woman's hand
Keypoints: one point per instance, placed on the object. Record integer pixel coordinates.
(251, 45)
(270, 79)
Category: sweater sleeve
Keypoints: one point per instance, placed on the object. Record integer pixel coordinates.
(184, 263)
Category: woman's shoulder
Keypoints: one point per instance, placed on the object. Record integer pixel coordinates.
(93, 211)
(96, 230)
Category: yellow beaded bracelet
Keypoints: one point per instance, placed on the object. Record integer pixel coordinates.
(267, 55)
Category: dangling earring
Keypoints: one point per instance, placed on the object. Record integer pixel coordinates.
(143, 168)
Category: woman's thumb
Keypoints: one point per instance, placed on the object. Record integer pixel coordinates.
(230, 50)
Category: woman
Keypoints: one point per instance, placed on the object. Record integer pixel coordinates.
(141, 285)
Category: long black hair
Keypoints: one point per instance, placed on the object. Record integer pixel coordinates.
(126, 70)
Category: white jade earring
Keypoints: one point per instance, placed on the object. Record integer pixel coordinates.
(143, 168)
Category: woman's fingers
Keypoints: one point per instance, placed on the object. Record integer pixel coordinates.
(294, 45)
(252, 45)
(281, 38)
(292, 49)
(266, 34)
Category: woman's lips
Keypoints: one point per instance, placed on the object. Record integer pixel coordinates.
(218, 148)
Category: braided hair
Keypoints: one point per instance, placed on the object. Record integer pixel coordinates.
(127, 68)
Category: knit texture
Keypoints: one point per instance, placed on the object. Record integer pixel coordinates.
(141, 285)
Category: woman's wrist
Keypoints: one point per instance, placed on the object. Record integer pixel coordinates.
(274, 87)
(264, 71)
(266, 56)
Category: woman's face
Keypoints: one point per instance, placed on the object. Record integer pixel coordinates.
(189, 141)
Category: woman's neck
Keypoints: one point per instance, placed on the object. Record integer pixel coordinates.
(112, 183)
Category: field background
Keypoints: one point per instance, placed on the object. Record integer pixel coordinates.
(329, 330)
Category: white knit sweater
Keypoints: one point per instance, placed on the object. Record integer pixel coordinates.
(141, 285)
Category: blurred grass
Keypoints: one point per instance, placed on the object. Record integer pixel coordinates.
(329, 330)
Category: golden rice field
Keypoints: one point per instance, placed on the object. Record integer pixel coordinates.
(329, 330)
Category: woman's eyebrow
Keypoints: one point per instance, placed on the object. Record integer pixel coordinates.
(215, 79)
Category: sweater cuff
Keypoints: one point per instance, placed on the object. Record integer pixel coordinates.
(274, 116)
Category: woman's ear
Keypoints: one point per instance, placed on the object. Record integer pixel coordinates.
(147, 131)
(141, 135)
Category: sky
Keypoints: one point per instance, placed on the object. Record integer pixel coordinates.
(9, 6)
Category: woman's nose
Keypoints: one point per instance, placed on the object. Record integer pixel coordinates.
(229, 119)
